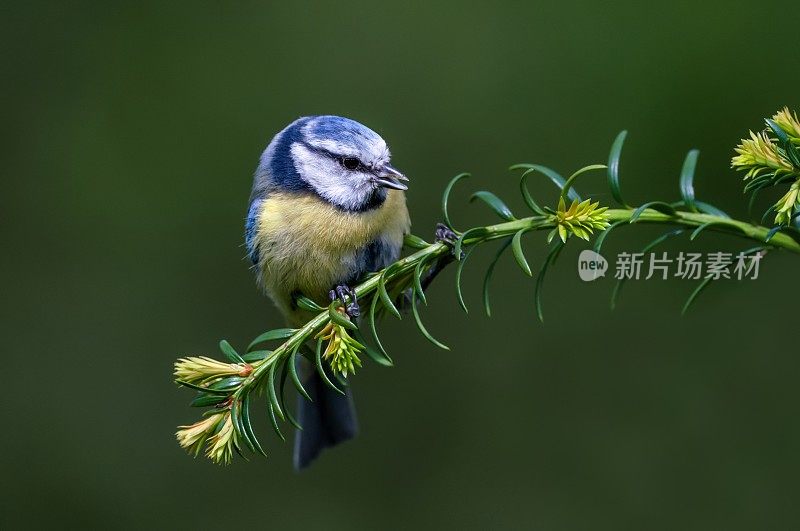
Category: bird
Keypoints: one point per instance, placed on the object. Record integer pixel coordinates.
(326, 208)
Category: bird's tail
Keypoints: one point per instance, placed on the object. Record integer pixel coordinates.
(327, 421)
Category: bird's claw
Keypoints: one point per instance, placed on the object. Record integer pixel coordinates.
(343, 293)
(445, 235)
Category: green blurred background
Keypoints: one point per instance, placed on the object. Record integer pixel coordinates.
(130, 133)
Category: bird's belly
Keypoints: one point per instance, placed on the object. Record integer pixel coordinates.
(300, 265)
(308, 246)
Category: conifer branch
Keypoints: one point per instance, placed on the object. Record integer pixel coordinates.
(770, 158)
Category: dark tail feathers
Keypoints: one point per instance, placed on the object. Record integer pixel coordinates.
(327, 421)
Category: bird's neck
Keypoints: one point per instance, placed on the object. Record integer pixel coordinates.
(373, 201)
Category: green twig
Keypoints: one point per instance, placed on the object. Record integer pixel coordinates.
(226, 387)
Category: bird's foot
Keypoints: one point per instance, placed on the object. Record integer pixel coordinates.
(343, 293)
(445, 235)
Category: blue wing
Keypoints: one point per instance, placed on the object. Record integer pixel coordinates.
(250, 226)
(373, 257)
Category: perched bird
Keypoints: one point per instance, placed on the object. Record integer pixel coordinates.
(327, 207)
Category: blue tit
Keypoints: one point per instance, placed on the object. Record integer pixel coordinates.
(327, 207)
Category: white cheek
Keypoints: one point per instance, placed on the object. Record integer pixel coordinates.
(327, 177)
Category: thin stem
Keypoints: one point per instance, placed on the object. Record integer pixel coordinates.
(749, 231)
(768, 161)
(503, 230)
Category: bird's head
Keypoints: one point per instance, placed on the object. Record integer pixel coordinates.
(340, 160)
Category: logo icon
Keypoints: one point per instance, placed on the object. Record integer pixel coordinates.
(591, 265)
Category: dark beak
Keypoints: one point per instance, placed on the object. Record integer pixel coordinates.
(388, 177)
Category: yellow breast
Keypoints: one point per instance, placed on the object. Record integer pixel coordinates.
(306, 244)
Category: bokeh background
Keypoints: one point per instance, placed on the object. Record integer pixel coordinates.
(130, 133)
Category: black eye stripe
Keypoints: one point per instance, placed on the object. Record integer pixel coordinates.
(339, 158)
